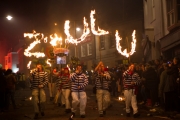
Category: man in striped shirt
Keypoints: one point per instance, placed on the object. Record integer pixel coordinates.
(78, 83)
(102, 79)
(131, 81)
(39, 78)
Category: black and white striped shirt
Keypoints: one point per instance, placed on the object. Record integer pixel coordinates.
(38, 78)
(102, 82)
(78, 80)
(128, 78)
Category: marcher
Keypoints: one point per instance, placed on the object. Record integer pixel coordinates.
(131, 82)
(10, 88)
(52, 83)
(102, 79)
(39, 79)
(59, 99)
(65, 85)
(79, 81)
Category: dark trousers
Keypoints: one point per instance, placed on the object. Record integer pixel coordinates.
(10, 97)
(2, 100)
(152, 94)
(171, 101)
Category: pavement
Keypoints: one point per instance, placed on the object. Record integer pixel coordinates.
(53, 112)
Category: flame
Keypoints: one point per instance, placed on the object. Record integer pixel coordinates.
(30, 98)
(100, 31)
(54, 39)
(72, 40)
(45, 40)
(120, 98)
(118, 46)
(28, 65)
(48, 62)
(31, 46)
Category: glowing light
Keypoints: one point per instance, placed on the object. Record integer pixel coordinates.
(55, 39)
(118, 46)
(28, 65)
(48, 62)
(120, 98)
(72, 40)
(30, 47)
(100, 31)
(9, 17)
(30, 98)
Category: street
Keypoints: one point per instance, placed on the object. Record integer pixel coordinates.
(54, 112)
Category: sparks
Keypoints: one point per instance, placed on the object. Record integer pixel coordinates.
(28, 65)
(54, 39)
(118, 46)
(100, 31)
(48, 62)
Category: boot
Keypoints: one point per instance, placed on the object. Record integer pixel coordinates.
(36, 116)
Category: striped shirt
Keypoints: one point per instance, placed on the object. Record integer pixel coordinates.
(63, 82)
(102, 82)
(130, 78)
(78, 80)
(38, 78)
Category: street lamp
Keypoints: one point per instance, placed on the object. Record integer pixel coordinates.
(9, 17)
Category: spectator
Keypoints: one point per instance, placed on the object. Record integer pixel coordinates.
(10, 88)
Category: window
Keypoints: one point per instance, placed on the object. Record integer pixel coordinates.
(102, 42)
(83, 50)
(89, 49)
(153, 9)
(178, 9)
(9, 61)
(170, 13)
(111, 41)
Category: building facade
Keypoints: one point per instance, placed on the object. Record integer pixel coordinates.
(162, 29)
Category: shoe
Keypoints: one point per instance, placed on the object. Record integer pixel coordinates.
(68, 110)
(42, 114)
(101, 115)
(72, 116)
(128, 114)
(82, 116)
(63, 105)
(36, 116)
(104, 112)
(136, 115)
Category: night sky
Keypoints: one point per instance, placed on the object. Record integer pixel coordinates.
(40, 15)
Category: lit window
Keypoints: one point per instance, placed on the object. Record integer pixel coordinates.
(102, 42)
(9, 60)
(153, 9)
(89, 49)
(170, 12)
(83, 50)
(111, 41)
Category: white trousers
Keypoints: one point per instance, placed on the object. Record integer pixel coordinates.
(52, 89)
(35, 99)
(103, 99)
(130, 100)
(65, 95)
(79, 98)
(59, 97)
